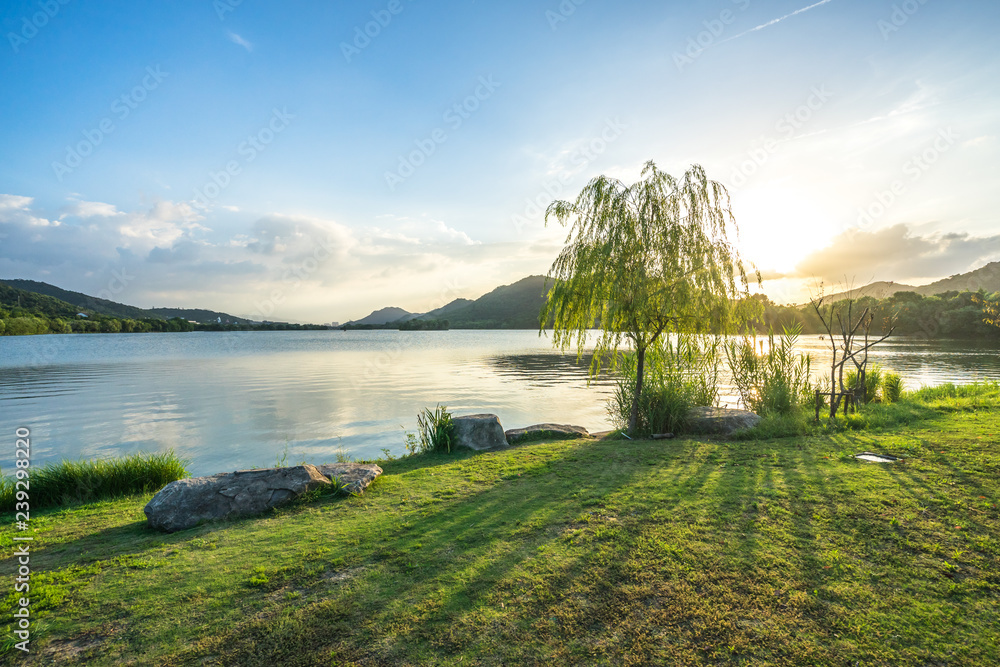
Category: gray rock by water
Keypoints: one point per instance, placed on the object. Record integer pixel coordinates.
(720, 421)
(553, 431)
(355, 477)
(479, 432)
(187, 502)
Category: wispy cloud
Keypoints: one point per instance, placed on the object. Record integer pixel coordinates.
(236, 39)
(777, 20)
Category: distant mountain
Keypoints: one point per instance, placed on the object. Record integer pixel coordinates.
(12, 297)
(93, 305)
(446, 310)
(877, 290)
(383, 316)
(82, 302)
(985, 278)
(515, 306)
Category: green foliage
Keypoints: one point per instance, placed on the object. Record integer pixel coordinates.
(774, 381)
(947, 315)
(424, 325)
(680, 374)
(85, 481)
(892, 387)
(643, 260)
(952, 394)
(873, 382)
(436, 430)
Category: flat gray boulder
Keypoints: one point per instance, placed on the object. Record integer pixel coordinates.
(353, 477)
(187, 502)
(479, 432)
(720, 421)
(550, 431)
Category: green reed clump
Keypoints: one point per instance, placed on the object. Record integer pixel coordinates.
(85, 481)
(892, 387)
(771, 382)
(436, 431)
(679, 373)
(874, 375)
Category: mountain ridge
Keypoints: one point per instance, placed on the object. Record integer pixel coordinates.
(986, 277)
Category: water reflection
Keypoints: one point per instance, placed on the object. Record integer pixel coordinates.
(547, 369)
(232, 400)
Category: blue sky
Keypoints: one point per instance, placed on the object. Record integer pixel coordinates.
(312, 161)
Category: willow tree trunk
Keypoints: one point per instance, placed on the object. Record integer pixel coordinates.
(640, 363)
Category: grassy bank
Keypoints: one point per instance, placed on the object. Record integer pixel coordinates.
(691, 551)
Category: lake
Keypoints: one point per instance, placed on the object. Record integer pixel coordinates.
(243, 399)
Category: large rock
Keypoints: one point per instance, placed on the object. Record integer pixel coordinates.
(353, 477)
(720, 421)
(550, 431)
(187, 502)
(479, 432)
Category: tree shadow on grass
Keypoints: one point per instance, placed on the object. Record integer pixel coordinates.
(438, 572)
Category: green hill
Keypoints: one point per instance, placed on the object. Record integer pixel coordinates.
(514, 306)
(14, 299)
(91, 305)
(985, 278)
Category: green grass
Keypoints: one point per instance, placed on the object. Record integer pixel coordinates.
(580, 552)
(79, 481)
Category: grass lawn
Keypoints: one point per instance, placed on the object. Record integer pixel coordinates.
(688, 552)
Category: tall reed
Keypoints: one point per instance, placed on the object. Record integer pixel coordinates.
(679, 373)
(84, 481)
(435, 430)
(771, 382)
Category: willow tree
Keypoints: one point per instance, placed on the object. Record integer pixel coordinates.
(643, 261)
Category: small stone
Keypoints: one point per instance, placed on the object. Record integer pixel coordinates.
(354, 477)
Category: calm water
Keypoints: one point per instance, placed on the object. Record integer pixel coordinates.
(235, 400)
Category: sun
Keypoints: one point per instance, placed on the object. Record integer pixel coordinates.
(780, 226)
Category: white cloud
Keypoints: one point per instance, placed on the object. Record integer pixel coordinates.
(90, 209)
(896, 253)
(274, 266)
(15, 202)
(777, 20)
(236, 39)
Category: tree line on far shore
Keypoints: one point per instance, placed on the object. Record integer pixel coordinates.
(947, 315)
(23, 322)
